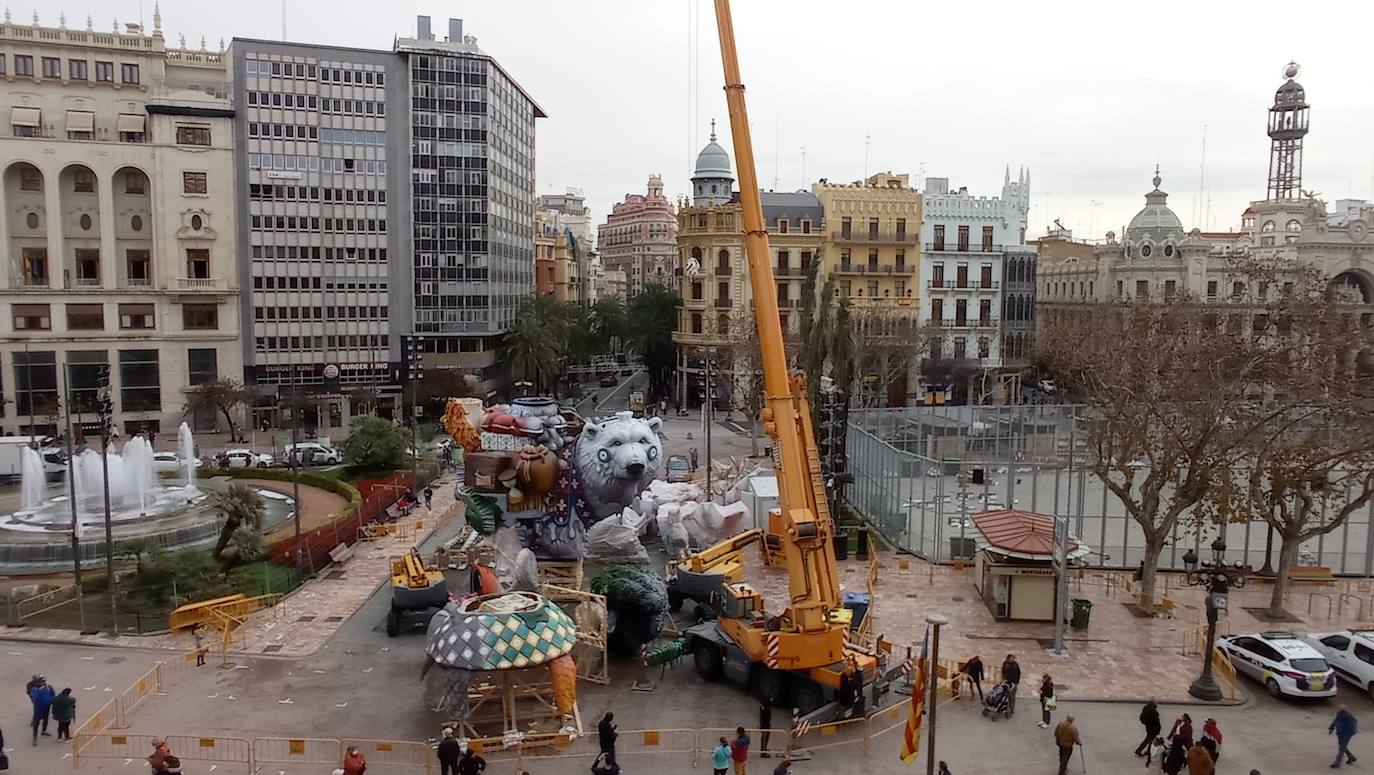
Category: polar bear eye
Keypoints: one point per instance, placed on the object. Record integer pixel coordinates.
(615, 443)
(643, 440)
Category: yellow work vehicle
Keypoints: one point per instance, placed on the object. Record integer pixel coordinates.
(798, 657)
(416, 593)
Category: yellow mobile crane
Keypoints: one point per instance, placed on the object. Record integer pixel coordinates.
(798, 657)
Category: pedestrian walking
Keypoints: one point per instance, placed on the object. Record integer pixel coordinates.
(1154, 755)
(173, 766)
(198, 635)
(448, 753)
(1011, 674)
(784, 767)
(429, 498)
(1211, 738)
(720, 758)
(739, 752)
(1176, 758)
(942, 768)
(1048, 702)
(1200, 761)
(974, 670)
(605, 765)
(354, 763)
(157, 760)
(692, 454)
(41, 695)
(1182, 730)
(470, 763)
(1343, 727)
(606, 734)
(64, 712)
(1066, 737)
(4, 757)
(765, 726)
(1149, 716)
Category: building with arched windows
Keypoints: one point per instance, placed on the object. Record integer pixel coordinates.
(639, 238)
(119, 227)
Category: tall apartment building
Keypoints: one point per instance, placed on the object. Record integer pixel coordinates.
(320, 150)
(118, 224)
(639, 238)
(472, 174)
(966, 240)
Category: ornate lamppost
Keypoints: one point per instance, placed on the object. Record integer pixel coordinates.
(1217, 578)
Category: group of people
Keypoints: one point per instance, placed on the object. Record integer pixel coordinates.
(49, 703)
(1171, 754)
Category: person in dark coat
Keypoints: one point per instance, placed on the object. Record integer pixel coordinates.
(64, 712)
(448, 752)
(765, 726)
(1011, 673)
(1183, 730)
(41, 695)
(606, 735)
(1149, 716)
(974, 670)
(1343, 727)
(1046, 699)
(1176, 759)
(471, 763)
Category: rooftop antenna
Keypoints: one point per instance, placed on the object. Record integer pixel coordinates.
(867, 140)
(803, 155)
(283, 19)
(1205, 212)
(777, 147)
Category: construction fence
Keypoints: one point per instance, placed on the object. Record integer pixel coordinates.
(914, 474)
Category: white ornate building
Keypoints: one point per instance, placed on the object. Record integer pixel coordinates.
(118, 224)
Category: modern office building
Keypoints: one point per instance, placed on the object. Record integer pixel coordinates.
(471, 172)
(118, 226)
(321, 153)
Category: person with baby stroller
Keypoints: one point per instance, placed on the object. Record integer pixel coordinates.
(998, 701)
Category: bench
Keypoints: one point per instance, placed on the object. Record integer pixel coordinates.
(1311, 574)
(341, 553)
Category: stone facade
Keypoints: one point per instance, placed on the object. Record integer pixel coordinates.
(570, 215)
(119, 224)
(639, 238)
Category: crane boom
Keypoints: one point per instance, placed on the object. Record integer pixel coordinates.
(804, 523)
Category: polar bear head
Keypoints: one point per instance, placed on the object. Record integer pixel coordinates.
(619, 451)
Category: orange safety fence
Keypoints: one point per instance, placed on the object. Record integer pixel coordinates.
(142, 688)
(221, 750)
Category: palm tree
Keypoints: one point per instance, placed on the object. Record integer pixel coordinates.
(141, 551)
(608, 322)
(247, 545)
(652, 319)
(542, 336)
(239, 505)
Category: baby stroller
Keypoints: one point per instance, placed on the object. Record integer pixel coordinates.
(998, 702)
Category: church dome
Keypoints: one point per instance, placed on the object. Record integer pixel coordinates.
(713, 161)
(1155, 227)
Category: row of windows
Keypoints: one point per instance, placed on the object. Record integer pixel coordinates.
(137, 266)
(320, 313)
(139, 378)
(283, 131)
(352, 136)
(294, 223)
(264, 67)
(279, 283)
(77, 69)
(91, 317)
(269, 192)
(263, 344)
(316, 252)
(277, 161)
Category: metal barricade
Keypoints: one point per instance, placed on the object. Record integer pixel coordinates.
(87, 746)
(394, 756)
(847, 732)
(222, 750)
(140, 690)
(297, 750)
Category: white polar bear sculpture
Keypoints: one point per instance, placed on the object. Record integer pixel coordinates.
(616, 459)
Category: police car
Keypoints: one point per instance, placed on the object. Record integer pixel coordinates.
(1282, 662)
(1351, 653)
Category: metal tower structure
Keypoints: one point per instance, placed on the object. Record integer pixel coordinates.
(1287, 126)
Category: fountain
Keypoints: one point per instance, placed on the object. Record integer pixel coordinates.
(37, 537)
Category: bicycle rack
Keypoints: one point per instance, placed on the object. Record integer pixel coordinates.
(1322, 595)
(1340, 604)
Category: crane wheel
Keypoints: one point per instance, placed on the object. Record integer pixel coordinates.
(393, 623)
(772, 686)
(808, 696)
(706, 657)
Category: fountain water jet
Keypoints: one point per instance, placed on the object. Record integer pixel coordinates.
(187, 446)
(32, 478)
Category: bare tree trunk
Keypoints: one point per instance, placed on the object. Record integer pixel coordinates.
(753, 435)
(233, 430)
(1288, 553)
(1149, 569)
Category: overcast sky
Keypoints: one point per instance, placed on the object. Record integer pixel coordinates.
(1088, 95)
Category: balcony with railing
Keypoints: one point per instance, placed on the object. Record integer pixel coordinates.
(954, 247)
(722, 269)
(202, 284)
(83, 283)
(876, 269)
(32, 283)
(877, 237)
(724, 303)
(965, 323)
(788, 271)
(964, 285)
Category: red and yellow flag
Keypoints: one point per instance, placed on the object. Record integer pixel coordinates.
(911, 737)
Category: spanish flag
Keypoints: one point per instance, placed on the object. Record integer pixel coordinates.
(911, 737)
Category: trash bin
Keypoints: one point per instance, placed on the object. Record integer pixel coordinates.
(841, 544)
(858, 603)
(1082, 611)
(862, 547)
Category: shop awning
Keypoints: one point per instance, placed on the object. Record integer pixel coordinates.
(80, 121)
(26, 117)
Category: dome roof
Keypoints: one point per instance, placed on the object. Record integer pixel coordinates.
(713, 161)
(1155, 221)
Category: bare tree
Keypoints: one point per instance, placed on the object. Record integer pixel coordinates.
(1308, 460)
(1164, 391)
(741, 367)
(886, 341)
(222, 396)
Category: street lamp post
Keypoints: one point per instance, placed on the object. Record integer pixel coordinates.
(105, 410)
(415, 371)
(936, 621)
(1217, 578)
(707, 411)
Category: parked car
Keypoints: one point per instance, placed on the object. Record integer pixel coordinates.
(1351, 654)
(171, 461)
(247, 458)
(310, 453)
(1282, 662)
(679, 468)
(610, 380)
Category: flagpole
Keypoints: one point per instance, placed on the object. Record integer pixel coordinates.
(936, 621)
